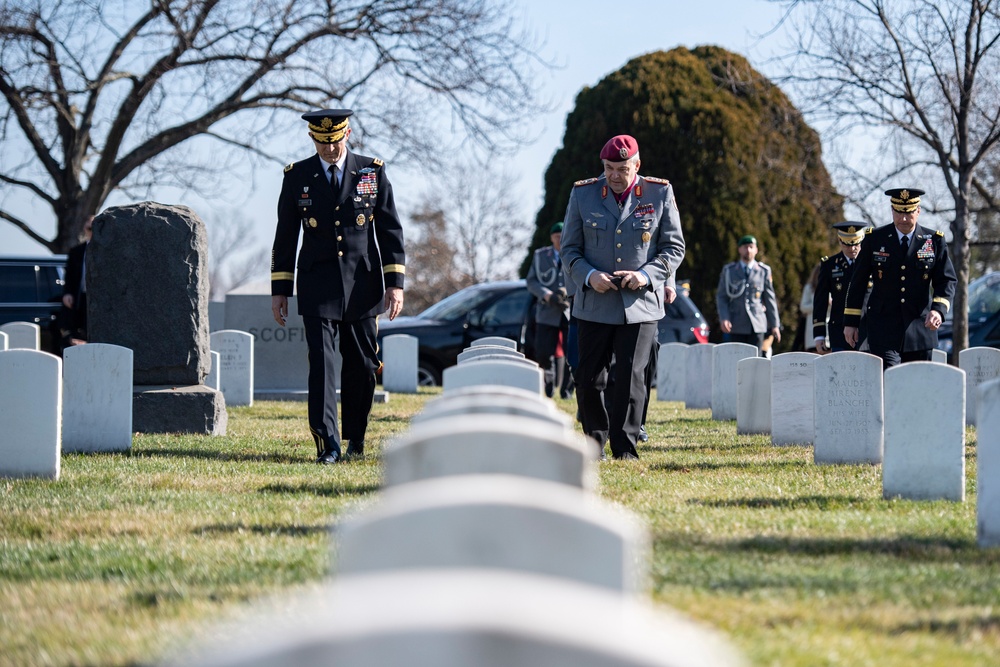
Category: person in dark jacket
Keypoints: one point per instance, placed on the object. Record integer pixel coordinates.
(904, 263)
(350, 270)
(831, 288)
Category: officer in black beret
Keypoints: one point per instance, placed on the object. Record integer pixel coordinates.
(831, 288)
(350, 270)
(904, 263)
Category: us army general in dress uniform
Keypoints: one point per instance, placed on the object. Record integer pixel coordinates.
(547, 283)
(748, 310)
(831, 288)
(904, 263)
(621, 241)
(350, 269)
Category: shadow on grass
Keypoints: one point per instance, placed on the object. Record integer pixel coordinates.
(216, 455)
(738, 465)
(962, 627)
(272, 530)
(799, 502)
(323, 490)
(912, 548)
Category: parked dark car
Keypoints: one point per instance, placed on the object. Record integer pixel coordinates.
(504, 308)
(984, 315)
(31, 291)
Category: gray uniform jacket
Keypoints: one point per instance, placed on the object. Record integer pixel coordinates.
(644, 234)
(747, 301)
(545, 278)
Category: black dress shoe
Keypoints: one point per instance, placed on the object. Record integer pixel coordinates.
(626, 456)
(328, 457)
(643, 436)
(355, 448)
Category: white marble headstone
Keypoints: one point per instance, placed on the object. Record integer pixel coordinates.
(793, 414)
(698, 376)
(671, 369)
(22, 335)
(495, 340)
(492, 351)
(849, 417)
(494, 371)
(235, 350)
(988, 465)
(97, 398)
(212, 379)
(491, 403)
(30, 414)
(924, 439)
(753, 396)
(401, 361)
(4, 341)
(725, 358)
(981, 364)
(490, 444)
(497, 522)
(462, 618)
(939, 356)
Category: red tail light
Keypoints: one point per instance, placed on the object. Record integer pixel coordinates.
(700, 333)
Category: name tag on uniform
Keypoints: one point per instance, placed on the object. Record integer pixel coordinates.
(305, 202)
(880, 257)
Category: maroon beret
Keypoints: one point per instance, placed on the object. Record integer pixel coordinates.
(620, 148)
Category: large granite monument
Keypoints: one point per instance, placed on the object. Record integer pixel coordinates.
(147, 290)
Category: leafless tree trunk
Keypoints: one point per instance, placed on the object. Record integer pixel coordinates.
(432, 272)
(107, 95)
(233, 258)
(926, 71)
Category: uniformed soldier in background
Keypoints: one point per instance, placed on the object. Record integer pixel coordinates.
(831, 289)
(547, 282)
(621, 241)
(904, 262)
(748, 309)
(350, 269)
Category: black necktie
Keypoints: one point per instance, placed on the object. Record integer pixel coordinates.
(905, 242)
(333, 178)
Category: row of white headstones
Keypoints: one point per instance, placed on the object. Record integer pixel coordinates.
(911, 419)
(486, 546)
(92, 389)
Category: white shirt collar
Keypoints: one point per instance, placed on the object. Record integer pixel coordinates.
(340, 164)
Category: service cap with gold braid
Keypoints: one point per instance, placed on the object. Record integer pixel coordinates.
(904, 200)
(328, 126)
(851, 233)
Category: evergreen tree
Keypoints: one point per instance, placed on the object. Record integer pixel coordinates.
(739, 155)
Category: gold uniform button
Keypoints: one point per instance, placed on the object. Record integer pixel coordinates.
(337, 223)
(340, 238)
(903, 267)
(593, 224)
(340, 254)
(902, 277)
(902, 289)
(618, 231)
(619, 260)
(619, 245)
(337, 208)
(902, 300)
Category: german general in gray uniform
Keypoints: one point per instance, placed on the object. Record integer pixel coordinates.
(350, 269)
(547, 282)
(912, 285)
(748, 310)
(622, 240)
(831, 288)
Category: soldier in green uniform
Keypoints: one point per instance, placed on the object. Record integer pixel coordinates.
(831, 288)
(350, 270)
(904, 263)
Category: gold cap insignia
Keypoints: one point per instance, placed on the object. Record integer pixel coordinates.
(623, 152)
(851, 229)
(904, 194)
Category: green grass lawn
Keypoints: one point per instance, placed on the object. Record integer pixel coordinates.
(127, 555)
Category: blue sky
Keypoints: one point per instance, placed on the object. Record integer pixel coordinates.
(588, 39)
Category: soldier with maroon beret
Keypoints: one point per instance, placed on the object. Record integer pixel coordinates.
(621, 244)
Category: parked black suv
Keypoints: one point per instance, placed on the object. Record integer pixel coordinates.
(31, 291)
(504, 308)
(984, 315)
